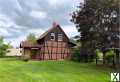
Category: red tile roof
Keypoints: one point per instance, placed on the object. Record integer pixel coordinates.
(26, 44)
(29, 45)
(55, 25)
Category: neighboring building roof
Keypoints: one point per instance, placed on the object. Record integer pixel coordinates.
(27, 44)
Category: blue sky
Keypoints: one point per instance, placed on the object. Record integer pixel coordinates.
(18, 18)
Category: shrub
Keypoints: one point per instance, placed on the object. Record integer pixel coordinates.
(76, 54)
(109, 55)
(99, 54)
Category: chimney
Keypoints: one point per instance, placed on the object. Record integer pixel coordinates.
(55, 24)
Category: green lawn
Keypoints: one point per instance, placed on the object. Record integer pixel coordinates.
(12, 70)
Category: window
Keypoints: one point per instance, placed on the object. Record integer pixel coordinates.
(60, 38)
(52, 36)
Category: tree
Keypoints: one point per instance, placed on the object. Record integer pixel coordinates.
(3, 47)
(98, 23)
(76, 49)
(31, 38)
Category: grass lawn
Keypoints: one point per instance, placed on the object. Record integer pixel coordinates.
(12, 70)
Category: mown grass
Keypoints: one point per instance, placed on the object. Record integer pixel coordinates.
(13, 70)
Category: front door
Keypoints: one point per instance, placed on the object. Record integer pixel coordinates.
(34, 53)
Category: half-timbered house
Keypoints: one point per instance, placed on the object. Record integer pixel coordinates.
(51, 45)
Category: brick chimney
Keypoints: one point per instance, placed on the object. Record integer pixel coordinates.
(55, 24)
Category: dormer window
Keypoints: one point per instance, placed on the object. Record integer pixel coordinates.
(52, 36)
(60, 37)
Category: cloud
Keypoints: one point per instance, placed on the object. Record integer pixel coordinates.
(4, 32)
(61, 2)
(15, 41)
(70, 30)
(56, 3)
(18, 18)
(37, 32)
(38, 14)
(5, 21)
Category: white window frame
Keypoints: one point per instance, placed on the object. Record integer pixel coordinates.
(60, 37)
(52, 35)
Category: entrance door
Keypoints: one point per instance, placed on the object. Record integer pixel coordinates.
(34, 53)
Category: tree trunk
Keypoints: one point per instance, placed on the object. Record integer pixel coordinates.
(117, 60)
(103, 58)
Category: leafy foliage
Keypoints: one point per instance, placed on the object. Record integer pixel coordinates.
(76, 49)
(31, 38)
(98, 23)
(3, 47)
(110, 56)
(99, 54)
(110, 53)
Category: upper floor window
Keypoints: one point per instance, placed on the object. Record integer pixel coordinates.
(60, 37)
(52, 36)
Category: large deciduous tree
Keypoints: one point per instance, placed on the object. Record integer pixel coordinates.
(98, 23)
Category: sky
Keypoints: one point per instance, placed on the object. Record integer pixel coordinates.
(19, 18)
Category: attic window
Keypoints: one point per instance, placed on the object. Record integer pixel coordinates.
(52, 36)
(60, 37)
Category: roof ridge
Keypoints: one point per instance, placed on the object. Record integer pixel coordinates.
(49, 30)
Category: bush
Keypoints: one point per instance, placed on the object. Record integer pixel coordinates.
(76, 54)
(80, 55)
(109, 55)
(3, 49)
(99, 54)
